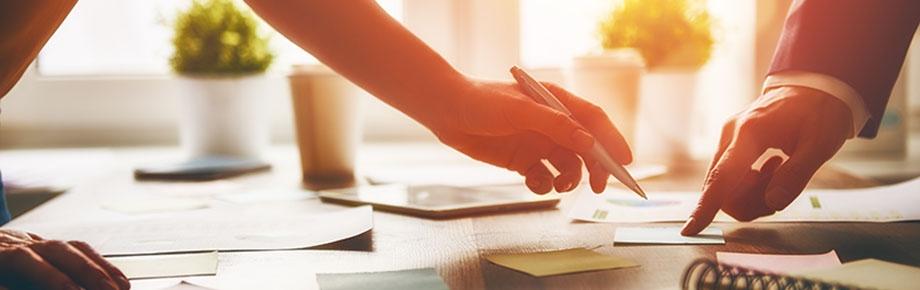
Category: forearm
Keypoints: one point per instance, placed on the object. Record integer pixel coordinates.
(361, 42)
(26, 26)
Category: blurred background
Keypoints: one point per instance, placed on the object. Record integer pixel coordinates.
(103, 80)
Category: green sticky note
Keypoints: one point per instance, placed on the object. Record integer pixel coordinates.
(560, 262)
(427, 279)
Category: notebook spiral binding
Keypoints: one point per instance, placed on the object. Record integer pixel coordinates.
(707, 274)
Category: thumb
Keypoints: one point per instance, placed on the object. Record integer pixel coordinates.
(561, 128)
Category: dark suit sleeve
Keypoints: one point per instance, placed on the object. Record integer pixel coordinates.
(860, 42)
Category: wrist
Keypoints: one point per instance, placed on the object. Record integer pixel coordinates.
(822, 103)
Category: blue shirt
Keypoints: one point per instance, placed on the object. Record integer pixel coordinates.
(4, 212)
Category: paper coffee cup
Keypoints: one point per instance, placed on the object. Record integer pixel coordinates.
(327, 120)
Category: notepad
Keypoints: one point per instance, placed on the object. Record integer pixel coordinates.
(560, 262)
(165, 266)
(666, 235)
(779, 264)
(416, 279)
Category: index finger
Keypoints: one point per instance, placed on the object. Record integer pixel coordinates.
(723, 178)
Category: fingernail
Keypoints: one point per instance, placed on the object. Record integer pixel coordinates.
(124, 282)
(778, 199)
(108, 285)
(571, 186)
(685, 231)
(582, 140)
(534, 184)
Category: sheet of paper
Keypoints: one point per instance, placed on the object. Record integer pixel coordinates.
(666, 235)
(475, 175)
(779, 264)
(869, 274)
(560, 262)
(267, 196)
(212, 233)
(877, 204)
(416, 279)
(165, 266)
(186, 286)
(154, 205)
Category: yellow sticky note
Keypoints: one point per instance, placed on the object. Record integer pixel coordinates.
(560, 262)
(871, 274)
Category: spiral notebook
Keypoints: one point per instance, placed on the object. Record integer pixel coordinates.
(862, 274)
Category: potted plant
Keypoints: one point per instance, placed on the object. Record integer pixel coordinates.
(221, 59)
(675, 40)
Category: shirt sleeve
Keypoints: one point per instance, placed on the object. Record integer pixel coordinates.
(828, 84)
(4, 212)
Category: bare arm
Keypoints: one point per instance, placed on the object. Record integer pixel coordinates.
(26, 26)
(361, 42)
(492, 122)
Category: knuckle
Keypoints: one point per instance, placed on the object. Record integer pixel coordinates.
(560, 120)
(749, 125)
(20, 255)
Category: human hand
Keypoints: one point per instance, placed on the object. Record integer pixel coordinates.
(498, 124)
(808, 125)
(30, 262)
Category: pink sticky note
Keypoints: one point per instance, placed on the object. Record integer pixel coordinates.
(779, 264)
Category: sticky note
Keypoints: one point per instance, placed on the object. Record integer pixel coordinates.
(666, 235)
(868, 274)
(560, 262)
(779, 264)
(427, 279)
(164, 266)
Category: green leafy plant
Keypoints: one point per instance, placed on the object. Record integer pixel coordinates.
(215, 37)
(667, 33)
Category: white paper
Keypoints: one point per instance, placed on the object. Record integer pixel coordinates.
(267, 196)
(474, 175)
(154, 205)
(164, 266)
(877, 204)
(666, 235)
(212, 233)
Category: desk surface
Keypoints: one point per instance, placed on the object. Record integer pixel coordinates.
(456, 247)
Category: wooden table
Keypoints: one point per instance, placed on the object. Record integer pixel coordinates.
(456, 247)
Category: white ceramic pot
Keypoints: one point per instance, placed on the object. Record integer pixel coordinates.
(327, 118)
(611, 81)
(225, 116)
(666, 116)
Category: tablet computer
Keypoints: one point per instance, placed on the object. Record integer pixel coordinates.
(436, 201)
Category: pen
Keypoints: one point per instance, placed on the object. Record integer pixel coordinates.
(540, 94)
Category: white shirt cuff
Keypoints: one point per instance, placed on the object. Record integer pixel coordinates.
(827, 84)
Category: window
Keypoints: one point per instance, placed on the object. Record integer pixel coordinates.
(117, 37)
(552, 32)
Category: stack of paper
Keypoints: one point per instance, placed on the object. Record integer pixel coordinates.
(164, 266)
